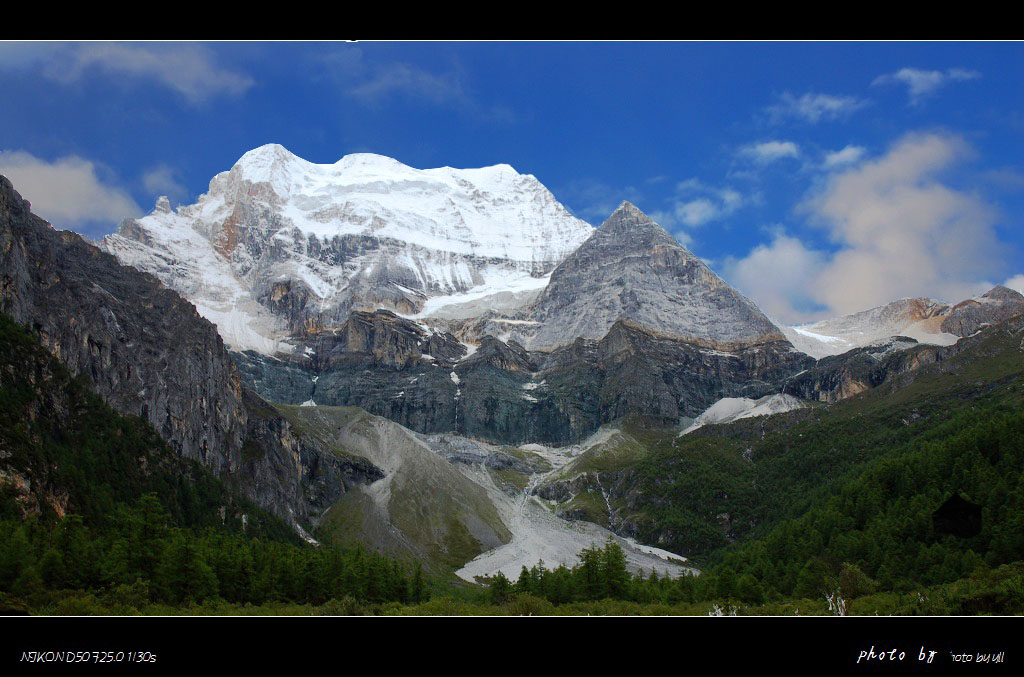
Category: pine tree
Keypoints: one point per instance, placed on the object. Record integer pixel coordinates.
(182, 575)
(616, 575)
(590, 574)
(500, 590)
(419, 592)
(524, 584)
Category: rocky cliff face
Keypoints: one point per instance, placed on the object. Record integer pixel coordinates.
(631, 324)
(149, 354)
(837, 377)
(145, 349)
(503, 392)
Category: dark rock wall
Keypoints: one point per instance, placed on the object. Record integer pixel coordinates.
(506, 394)
(146, 350)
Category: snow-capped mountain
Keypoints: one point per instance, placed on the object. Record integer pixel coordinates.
(280, 246)
(925, 320)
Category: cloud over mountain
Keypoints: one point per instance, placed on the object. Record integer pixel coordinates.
(898, 228)
(69, 192)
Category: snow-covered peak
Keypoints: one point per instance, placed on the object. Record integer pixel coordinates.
(264, 161)
(492, 212)
(266, 154)
(273, 162)
(371, 163)
(280, 244)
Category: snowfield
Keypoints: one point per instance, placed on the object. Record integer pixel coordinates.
(734, 408)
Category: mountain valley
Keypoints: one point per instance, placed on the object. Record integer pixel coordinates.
(448, 369)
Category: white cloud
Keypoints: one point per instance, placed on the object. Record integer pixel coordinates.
(67, 192)
(697, 212)
(779, 277)
(770, 151)
(901, 232)
(163, 180)
(1016, 282)
(404, 78)
(697, 203)
(814, 107)
(847, 156)
(921, 83)
(188, 69)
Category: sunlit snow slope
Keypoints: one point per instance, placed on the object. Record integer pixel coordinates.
(281, 246)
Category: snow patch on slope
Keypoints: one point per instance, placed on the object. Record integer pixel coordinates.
(920, 319)
(184, 260)
(734, 408)
(501, 286)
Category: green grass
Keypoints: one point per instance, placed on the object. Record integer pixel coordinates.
(591, 504)
(510, 478)
(620, 450)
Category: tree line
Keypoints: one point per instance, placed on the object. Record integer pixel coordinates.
(139, 547)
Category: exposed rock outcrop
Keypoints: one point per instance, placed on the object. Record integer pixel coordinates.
(144, 348)
(968, 317)
(504, 393)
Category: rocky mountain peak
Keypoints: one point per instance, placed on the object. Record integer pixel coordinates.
(11, 200)
(633, 269)
(996, 305)
(1001, 293)
(631, 227)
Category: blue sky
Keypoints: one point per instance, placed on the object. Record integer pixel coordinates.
(818, 178)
